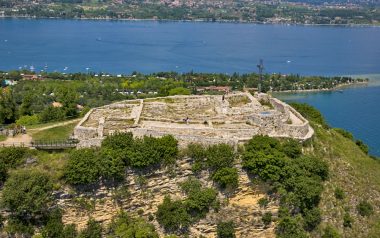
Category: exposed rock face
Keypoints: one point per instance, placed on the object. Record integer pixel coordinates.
(146, 193)
(231, 119)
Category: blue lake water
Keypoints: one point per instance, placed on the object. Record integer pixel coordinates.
(149, 46)
(355, 109)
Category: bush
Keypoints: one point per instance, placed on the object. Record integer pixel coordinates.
(292, 148)
(19, 227)
(198, 199)
(125, 226)
(362, 146)
(290, 227)
(142, 153)
(226, 177)
(263, 202)
(312, 218)
(172, 215)
(54, 227)
(330, 232)
(28, 120)
(267, 218)
(93, 230)
(220, 156)
(196, 151)
(225, 230)
(364, 208)
(347, 220)
(27, 193)
(82, 167)
(339, 193)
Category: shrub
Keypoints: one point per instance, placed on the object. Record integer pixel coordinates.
(172, 215)
(290, 227)
(364, 208)
(125, 226)
(198, 199)
(226, 177)
(220, 156)
(225, 230)
(196, 151)
(17, 227)
(82, 167)
(27, 193)
(330, 232)
(263, 202)
(267, 218)
(312, 218)
(55, 228)
(93, 230)
(292, 148)
(339, 193)
(362, 146)
(144, 152)
(347, 220)
(28, 120)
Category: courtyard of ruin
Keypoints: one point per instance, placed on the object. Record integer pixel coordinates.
(232, 118)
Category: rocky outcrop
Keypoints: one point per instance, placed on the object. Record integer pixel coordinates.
(142, 193)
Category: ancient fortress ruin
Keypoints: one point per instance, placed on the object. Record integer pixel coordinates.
(210, 119)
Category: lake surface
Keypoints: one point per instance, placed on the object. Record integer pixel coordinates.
(149, 46)
(355, 109)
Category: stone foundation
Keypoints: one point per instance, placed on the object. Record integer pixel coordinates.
(203, 119)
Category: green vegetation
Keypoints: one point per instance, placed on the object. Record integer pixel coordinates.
(124, 225)
(225, 230)
(310, 12)
(54, 134)
(314, 182)
(267, 218)
(61, 96)
(365, 208)
(177, 216)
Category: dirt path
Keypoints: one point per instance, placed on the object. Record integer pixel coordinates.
(55, 125)
(26, 139)
(19, 140)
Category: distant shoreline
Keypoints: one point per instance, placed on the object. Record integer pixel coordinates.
(336, 88)
(185, 20)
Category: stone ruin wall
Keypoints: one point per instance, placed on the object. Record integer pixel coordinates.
(274, 124)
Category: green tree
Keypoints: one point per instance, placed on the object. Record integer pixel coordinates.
(226, 177)
(27, 193)
(289, 227)
(312, 218)
(172, 215)
(179, 91)
(83, 167)
(220, 156)
(7, 107)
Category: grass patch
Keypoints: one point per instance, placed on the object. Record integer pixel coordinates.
(55, 133)
(3, 137)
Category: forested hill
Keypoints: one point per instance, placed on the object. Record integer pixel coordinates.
(327, 187)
